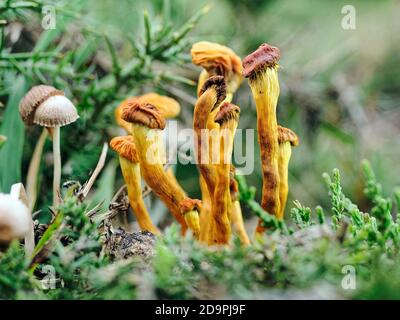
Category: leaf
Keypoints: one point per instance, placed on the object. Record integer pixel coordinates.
(14, 129)
(3, 140)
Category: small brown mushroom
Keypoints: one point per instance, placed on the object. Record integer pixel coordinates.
(261, 68)
(130, 167)
(49, 108)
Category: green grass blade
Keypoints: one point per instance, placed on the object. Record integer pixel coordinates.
(13, 128)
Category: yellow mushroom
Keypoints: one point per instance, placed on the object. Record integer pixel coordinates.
(147, 124)
(227, 117)
(261, 68)
(130, 167)
(286, 139)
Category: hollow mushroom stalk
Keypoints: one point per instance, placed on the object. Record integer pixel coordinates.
(147, 125)
(286, 139)
(227, 117)
(14, 219)
(261, 69)
(49, 108)
(130, 168)
(211, 95)
(236, 210)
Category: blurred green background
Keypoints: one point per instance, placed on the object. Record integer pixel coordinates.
(340, 89)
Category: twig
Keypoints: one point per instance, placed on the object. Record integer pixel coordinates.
(85, 191)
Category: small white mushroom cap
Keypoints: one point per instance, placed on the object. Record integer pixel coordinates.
(14, 219)
(55, 111)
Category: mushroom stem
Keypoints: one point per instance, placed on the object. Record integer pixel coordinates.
(205, 213)
(147, 123)
(211, 95)
(238, 224)
(286, 138)
(33, 170)
(262, 70)
(285, 151)
(57, 166)
(132, 177)
(236, 210)
(227, 118)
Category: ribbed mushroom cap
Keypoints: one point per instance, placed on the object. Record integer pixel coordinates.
(168, 107)
(118, 115)
(215, 58)
(227, 111)
(265, 56)
(219, 84)
(14, 219)
(287, 135)
(189, 204)
(220, 60)
(125, 147)
(55, 111)
(144, 114)
(33, 99)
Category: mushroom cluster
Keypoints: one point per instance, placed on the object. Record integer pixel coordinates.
(141, 152)
(215, 119)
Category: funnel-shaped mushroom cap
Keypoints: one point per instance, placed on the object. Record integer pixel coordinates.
(14, 219)
(227, 111)
(143, 114)
(218, 60)
(168, 107)
(265, 56)
(33, 99)
(218, 82)
(56, 111)
(118, 115)
(125, 147)
(287, 135)
(188, 204)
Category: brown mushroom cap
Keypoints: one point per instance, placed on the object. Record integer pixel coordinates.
(144, 114)
(125, 147)
(287, 135)
(55, 111)
(220, 86)
(227, 111)
(215, 58)
(189, 204)
(265, 56)
(33, 99)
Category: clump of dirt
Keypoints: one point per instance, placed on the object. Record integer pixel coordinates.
(120, 244)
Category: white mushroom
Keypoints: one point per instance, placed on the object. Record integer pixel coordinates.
(14, 219)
